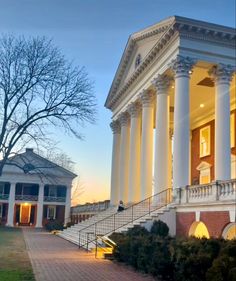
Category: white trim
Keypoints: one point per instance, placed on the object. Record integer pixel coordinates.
(54, 210)
(226, 229)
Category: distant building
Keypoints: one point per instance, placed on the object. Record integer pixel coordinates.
(84, 211)
(34, 193)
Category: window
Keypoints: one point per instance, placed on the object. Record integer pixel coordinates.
(205, 172)
(1, 188)
(205, 138)
(51, 214)
(137, 60)
(1, 207)
(232, 130)
(52, 192)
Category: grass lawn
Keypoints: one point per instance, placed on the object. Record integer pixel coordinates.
(14, 260)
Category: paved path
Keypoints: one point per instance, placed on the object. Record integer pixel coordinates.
(54, 259)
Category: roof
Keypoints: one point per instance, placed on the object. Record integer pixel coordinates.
(167, 28)
(29, 162)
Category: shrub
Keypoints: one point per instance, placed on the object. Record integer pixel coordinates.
(160, 228)
(54, 225)
(223, 267)
(137, 231)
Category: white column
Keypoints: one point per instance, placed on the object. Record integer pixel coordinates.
(162, 134)
(68, 204)
(146, 144)
(114, 195)
(222, 75)
(182, 67)
(170, 158)
(135, 146)
(11, 205)
(124, 156)
(40, 206)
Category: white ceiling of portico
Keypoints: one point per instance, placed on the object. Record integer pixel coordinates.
(203, 95)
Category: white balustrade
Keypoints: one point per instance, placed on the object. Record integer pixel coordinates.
(216, 191)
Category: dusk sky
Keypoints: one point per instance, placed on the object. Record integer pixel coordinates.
(93, 33)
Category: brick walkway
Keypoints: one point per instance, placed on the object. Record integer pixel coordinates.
(54, 259)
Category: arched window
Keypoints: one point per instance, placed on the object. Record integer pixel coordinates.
(230, 231)
(137, 60)
(198, 229)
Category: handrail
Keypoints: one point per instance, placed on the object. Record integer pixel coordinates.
(154, 203)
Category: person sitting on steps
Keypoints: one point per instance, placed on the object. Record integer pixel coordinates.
(121, 206)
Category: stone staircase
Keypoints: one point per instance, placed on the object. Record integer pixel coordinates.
(105, 223)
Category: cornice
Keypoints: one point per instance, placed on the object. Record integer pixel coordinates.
(184, 27)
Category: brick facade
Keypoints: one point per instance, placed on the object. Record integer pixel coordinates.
(183, 223)
(195, 150)
(215, 222)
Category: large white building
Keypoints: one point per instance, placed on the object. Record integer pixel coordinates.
(173, 101)
(34, 190)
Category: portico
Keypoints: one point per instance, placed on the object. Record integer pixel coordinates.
(180, 85)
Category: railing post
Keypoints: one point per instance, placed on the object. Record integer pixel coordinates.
(79, 239)
(114, 222)
(96, 249)
(87, 241)
(149, 205)
(132, 212)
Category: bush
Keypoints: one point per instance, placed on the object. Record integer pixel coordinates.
(54, 225)
(160, 228)
(223, 267)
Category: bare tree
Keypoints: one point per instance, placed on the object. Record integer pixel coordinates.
(77, 191)
(39, 89)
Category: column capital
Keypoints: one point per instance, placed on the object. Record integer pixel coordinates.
(182, 66)
(134, 109)
(222, 73)
(162, 84)
(146, 97)
(124, 118)
(115, 126)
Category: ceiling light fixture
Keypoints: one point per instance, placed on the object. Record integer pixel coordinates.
(202, 105)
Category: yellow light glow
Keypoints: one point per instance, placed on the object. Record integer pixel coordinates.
(199, 230)
(231, 233)
(202, 105)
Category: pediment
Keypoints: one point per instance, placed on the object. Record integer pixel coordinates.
(140, 42)
(141, 49)
(203, 166)
(153, 40)
(32, 163)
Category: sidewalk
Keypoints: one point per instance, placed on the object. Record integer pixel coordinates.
(54, 259)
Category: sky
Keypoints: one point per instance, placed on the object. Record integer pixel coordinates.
(93, 34)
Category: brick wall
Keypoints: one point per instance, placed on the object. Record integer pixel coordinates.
(183, 223)
(215, 222)
(195, 150)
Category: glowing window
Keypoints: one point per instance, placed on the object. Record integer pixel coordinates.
(137, 60)
(230, 231)
(205, 141)
(199, 230)
(232, 130)
(51, 212)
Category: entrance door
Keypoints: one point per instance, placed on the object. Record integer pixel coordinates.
(25, 213)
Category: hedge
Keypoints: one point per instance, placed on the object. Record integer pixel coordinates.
(176, 259)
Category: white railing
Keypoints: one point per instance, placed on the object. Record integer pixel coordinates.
(215, 191)
(54, 199)
(4, 196)
(24, 197)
